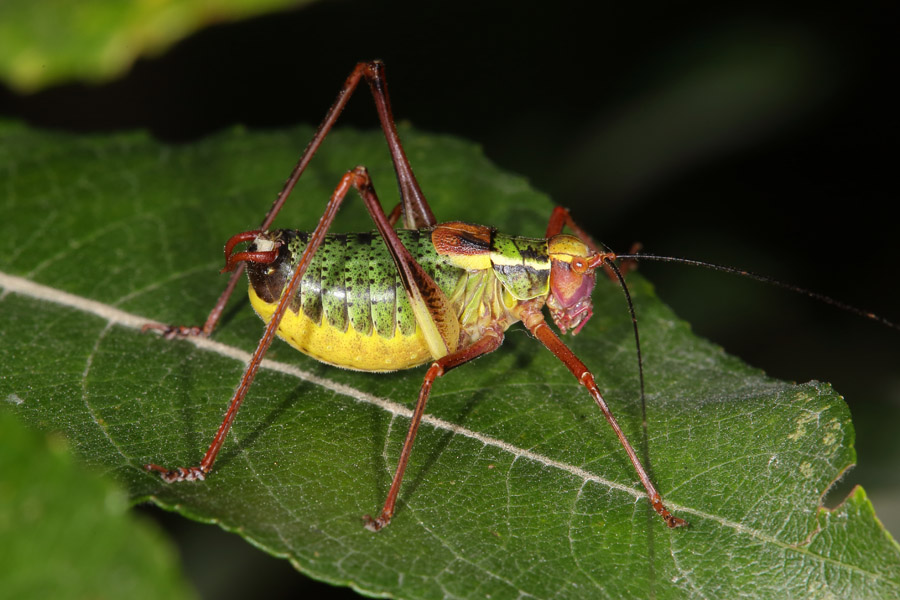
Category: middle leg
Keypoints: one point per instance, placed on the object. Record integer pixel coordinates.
(491, 340)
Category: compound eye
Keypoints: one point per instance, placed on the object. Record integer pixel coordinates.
(579, 265)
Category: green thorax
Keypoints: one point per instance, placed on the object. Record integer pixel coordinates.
(521, 264)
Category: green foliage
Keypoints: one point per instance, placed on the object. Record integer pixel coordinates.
(67, 533)
(45, 42)
(516, 485)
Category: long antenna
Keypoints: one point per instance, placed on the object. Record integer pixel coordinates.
(637, 339)
(640, 361)
(767, 280)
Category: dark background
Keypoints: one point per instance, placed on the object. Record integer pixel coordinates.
(753, 135)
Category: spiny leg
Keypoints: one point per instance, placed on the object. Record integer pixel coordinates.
(359, 179)
(491, 340)
(416, 212)
(534, 321)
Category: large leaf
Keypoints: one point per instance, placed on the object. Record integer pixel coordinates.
(516, 486)
(45, 42)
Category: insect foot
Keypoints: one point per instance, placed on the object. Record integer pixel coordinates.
(179, 474)
(375, 524)
(673, 522)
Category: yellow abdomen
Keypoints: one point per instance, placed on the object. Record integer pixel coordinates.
(348, 349)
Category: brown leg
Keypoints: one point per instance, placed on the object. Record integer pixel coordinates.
(416, 211)
(395, 215)
(490, 342)
(627, 265)
(535, 323)
(561, 217)
(409, 269)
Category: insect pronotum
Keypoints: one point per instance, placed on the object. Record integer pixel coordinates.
(433, 293)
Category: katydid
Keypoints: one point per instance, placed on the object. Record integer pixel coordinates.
(432, 293)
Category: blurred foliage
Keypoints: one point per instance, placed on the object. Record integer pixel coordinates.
(48, 42)
(67, 533)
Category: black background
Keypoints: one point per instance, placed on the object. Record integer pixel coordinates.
(754, 135)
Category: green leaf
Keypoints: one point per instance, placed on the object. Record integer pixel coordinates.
(46, 42)
(67, 533)
(516, 485)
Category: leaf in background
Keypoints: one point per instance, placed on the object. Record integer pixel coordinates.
(516, 485)
(46, 42)
(67, 533)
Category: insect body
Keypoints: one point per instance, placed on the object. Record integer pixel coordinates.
(352, 311)
(435, 293)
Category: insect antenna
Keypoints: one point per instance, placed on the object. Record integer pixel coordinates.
(767, 280)
(637, 338)
(608, 262)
